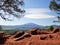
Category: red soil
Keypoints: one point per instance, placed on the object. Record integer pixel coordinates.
(39, 39)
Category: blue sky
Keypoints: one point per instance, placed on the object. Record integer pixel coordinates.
(37, 11)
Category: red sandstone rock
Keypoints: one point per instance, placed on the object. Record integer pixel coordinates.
(44, 38)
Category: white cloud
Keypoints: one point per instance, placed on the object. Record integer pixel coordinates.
(38, 13)
(38, 16)
(37, 10)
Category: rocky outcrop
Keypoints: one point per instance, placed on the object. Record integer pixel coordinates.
(34, 31)
(56, 30)
(43, 37)
(26, 35)
(18, 34)
(2, 38)
(50, 36)
(34, 36)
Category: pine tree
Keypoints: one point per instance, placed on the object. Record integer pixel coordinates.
(10, 8)
(55, 5)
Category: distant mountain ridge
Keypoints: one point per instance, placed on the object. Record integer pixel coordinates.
(24, 26)
(27, 26)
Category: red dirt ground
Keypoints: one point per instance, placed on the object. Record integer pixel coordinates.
(39, 39)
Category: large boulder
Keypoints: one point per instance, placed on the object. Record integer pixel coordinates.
(56, 30)
(2, 38)
(51, 36)
(18, 34)
(43, 37)
(46, 37)
(26, 35)
(34, 31)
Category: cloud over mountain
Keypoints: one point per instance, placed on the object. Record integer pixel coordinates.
(38, 13)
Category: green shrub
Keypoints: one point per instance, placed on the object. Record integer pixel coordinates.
(1, 27)
(51, 28)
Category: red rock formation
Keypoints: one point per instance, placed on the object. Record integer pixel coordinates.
(2, 38)
(34, 31)
(35, 37)
(56, 30)
(18, 34)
